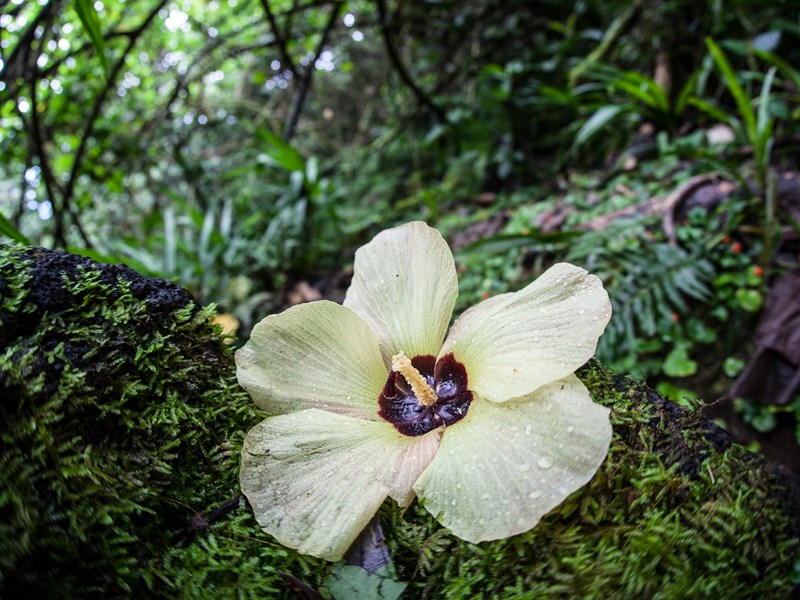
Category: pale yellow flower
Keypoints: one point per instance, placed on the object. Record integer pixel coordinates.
(488, 426)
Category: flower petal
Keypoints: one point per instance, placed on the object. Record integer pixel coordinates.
(315, 355)
(315, 478)
(515, 343)
(404, 287)
(505, 466)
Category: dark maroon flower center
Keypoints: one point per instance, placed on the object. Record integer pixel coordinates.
(401, 408)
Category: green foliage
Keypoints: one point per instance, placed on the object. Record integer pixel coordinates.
(8, 230)
(648, 284)
(351, 581)
(765, 418)
(758, 124)
(678, 364)
(146, 133)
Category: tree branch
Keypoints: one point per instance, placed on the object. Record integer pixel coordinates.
(301, 91)
(21, 62)
(50, 183)
(279, 39)
(66, 198)
(397, 63)
(192, 73)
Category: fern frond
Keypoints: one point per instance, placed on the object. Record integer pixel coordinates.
(647, 282)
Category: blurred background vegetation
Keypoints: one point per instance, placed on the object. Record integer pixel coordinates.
(245, 148)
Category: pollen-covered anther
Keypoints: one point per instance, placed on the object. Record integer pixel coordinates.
(419, 385)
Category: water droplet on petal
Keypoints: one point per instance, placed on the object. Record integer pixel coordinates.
(544, 463)
(485, 497)
(535, 494)
(528, 429)
(581, 312)
(524, 467)
(570, 429)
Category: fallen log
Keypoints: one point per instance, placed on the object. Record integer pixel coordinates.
(121, 424)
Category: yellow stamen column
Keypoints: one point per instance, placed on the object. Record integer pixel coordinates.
(419, 385)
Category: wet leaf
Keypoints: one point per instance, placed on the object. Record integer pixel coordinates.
(347, 582)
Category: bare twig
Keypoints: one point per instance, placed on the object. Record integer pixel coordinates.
(279, 39)
(193, 73)
(657, 205)
(50, 183)
(683, 191)
(301, 91)
(21, 62)
(69, 190)
(394, 57)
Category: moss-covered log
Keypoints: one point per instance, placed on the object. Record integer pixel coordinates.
(121, 425)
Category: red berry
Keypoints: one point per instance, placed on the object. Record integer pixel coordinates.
(736, 247)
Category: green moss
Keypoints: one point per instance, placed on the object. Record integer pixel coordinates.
(121, 426)
(121, 421)
(676, 511)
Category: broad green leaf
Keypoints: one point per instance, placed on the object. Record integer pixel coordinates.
(8, 230)
(602, 117)
(743, 103)
(91, 24)
(677, 394)
(347, 582)
(785, 68)
(281, 153)
(732, 366)
(764, 123)
(749, 300)
(678, 364)
(713, 111)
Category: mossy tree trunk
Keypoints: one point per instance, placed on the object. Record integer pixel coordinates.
(121, 427)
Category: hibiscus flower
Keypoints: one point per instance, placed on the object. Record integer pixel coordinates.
(488, 426)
